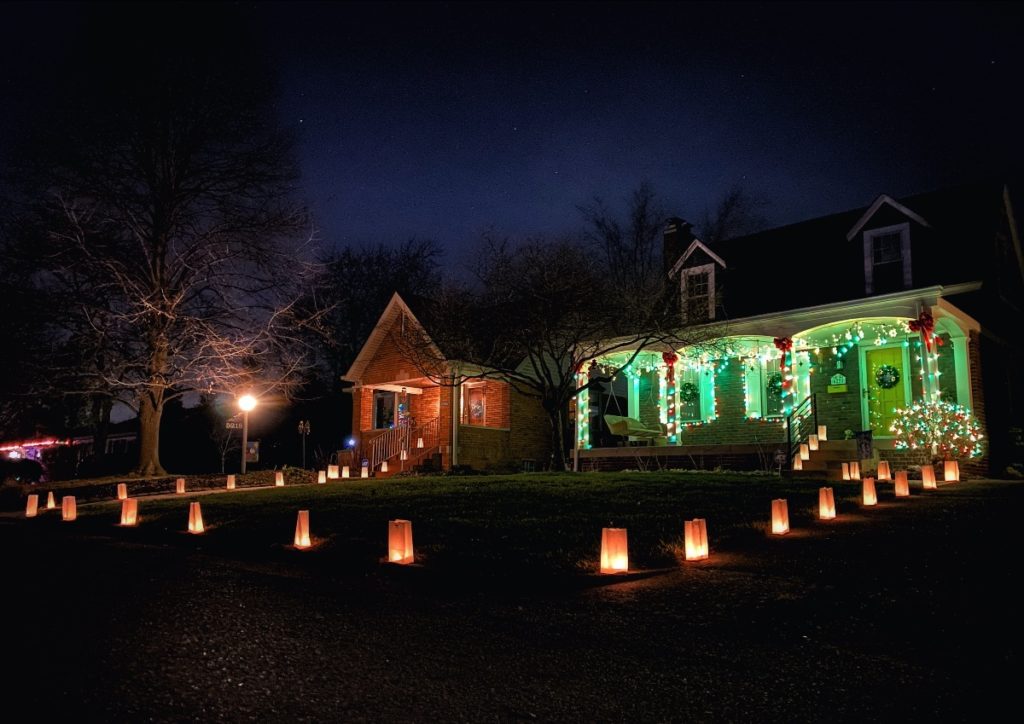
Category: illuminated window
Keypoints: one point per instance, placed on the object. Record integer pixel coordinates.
(771, 388)
(383, 409)
(474, 403)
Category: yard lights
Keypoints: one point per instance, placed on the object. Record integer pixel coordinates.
(195, 518)
(614, 550)
(883, 470)
(419, 443)
(812, 442)
(826, 504)
(302, 530)
(321, 477)
(400, 542)
(68, 508)
(928, 477)
(364, 472)
(279, 479)
(846, 471)
(231, 482)
(129, 511)
(122, 491)
(695, 539)
(902, 484)
(805, 451)
(780, 517)
(798, 462)
(855, 470)
(179, 486)
(868, 494)
(344, 472)
(822, 433)
(332, 472)
(951, 471)
(384, 466)
(50, 504)
(32, 506)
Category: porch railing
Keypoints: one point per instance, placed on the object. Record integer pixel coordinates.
(391, 443)
(801, 422)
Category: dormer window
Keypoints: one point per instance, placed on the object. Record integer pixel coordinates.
(698, 287)
(887, 259)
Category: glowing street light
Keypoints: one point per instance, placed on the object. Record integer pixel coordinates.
(246, 404)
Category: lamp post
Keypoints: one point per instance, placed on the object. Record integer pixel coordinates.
(303, 430)
(245, 403)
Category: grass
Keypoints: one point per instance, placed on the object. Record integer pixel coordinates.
(531, 524)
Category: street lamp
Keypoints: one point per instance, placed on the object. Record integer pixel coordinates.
(303, 430)
(245, 403)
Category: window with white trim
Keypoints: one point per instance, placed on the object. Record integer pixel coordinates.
(698, 293)
(887, 259)
(763, 386)
(696, 394)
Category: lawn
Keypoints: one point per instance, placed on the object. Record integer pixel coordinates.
(521, 524)
(905, 610)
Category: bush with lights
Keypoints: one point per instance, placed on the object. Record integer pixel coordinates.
(944, 429)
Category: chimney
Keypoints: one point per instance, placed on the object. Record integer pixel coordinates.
(678, 237)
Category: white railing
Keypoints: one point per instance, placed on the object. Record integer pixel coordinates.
(390, 444)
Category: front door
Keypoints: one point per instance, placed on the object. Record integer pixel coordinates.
(885, 389)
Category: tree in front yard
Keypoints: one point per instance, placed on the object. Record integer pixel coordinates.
(161, 224)
(941, 429)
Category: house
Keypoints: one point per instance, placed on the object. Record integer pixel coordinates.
(405, 420)
(838, 321)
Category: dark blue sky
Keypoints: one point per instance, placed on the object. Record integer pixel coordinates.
(440, 121)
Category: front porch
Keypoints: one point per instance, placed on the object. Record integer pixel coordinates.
(743, 398)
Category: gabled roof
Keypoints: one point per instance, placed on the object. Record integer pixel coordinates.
(694, 245)
(813, 262)
(396, 308)
(883, 199)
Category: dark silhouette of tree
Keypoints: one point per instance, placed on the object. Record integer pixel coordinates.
(162, 224)
(736, 213)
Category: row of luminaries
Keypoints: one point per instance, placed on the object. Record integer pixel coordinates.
(614, 545)
(614, 541)
(399, 531)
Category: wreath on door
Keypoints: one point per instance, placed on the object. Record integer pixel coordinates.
(887, 377)
(689, 392)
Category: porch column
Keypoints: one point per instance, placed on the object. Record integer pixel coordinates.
(962, 370)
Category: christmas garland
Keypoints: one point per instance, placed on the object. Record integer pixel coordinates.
(887, 377)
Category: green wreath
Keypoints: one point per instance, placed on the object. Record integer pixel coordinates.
(689, 392)
(774, 385)
(887, 377)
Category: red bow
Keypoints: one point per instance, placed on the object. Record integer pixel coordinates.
(784, 344)
(669, 358)
(924, 324)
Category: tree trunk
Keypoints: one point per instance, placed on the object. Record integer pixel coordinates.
(559, 439)
(151, 409)
(101, 406)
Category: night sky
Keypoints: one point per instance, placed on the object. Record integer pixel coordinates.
(442, 121)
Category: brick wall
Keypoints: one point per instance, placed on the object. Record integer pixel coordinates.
(978, 466)
(531, 431)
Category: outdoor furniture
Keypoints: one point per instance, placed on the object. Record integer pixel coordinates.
(635, 430)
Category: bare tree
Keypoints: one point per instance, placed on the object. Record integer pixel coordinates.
(168, 230)
(736, 213)
(540, 311)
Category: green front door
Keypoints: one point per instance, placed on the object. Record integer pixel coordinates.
(885, 391)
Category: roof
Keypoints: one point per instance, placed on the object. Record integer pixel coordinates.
(813, 262)
(396, 307)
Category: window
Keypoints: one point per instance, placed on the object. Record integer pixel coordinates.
(474, 403)
(690, 396)
(699, 293)
(887, 259)
(383, 409)
(771, 388)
